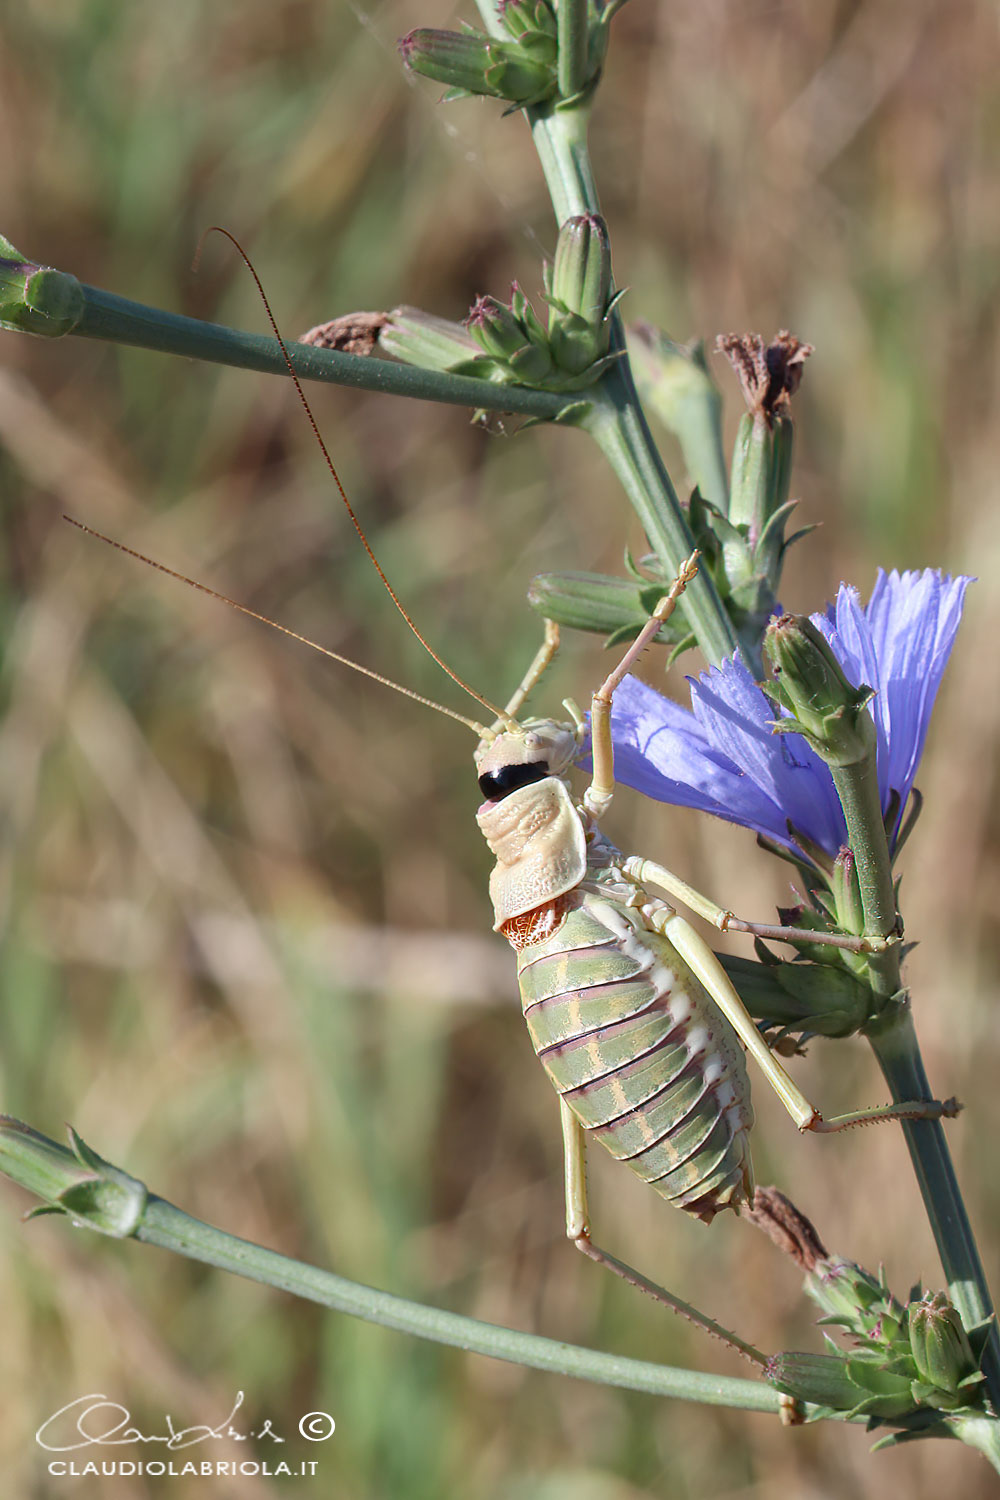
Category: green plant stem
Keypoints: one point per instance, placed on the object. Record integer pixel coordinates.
(616, 418)
(894, 1042)
(120, 321)
(171, 1229)
(96, 1194)
(560, 139)
(898, 1053)
(573, 38)
(618, 424)
(559, 135)
(857, 788)
(675, 384)
(981, 1433)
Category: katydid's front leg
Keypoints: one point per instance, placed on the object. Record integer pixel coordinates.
(704, 963)
(597, 798)
(578, 1231)
(648, 872)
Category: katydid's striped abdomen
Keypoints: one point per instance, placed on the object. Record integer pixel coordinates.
(660, 1078)
(631, 1040)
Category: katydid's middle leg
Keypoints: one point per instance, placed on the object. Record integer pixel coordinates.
(647, 871)
(542, 660)
(578, 1231)
(705, 965)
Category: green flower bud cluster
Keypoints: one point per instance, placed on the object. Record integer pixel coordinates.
(521, 67)
(508, 343)
(571, 350)
(801, 1000)
(906, 1359)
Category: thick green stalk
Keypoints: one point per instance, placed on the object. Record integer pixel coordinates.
(559, 135)
(674, 382)
(120, 321)
(560, 139)
(897, 1050)
(616, 418)
(857, 788)
(617, 422)
(898, 1054)
(573, 40)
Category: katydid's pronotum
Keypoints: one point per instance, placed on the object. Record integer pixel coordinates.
(629, 1010)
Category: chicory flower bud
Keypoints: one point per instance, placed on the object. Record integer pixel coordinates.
(821, 1379)
(579, 292)
(940, 1345)
(822, 705)
(473, 63)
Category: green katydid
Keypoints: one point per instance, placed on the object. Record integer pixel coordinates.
(629, 1010)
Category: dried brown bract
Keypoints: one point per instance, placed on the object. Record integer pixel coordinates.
(790, 1230)
(354, 333)
(769, 374)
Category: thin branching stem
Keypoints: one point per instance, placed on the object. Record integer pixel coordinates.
(171, 1229)
(97, 1194)
(124, 322)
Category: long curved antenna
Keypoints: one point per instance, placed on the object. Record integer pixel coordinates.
(244, 609)
(502, 716)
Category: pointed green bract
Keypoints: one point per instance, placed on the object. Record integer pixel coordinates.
(78, 1183)
(615, 607)
(422, 338)
(36, 299)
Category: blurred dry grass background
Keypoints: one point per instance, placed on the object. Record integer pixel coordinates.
(246, 935)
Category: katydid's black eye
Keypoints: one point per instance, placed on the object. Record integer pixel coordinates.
(497, 784)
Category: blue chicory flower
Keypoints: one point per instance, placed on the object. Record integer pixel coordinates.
(723, 757)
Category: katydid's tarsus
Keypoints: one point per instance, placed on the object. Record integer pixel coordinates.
(629, 1010)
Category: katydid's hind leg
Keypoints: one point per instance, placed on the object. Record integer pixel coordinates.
(578, 1231)
(543, 659)
(705, 964)
(597, 798)
(647, 871)
(911, 1109)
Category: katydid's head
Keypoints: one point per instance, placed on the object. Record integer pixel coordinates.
(515, 757)
(529, 819)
